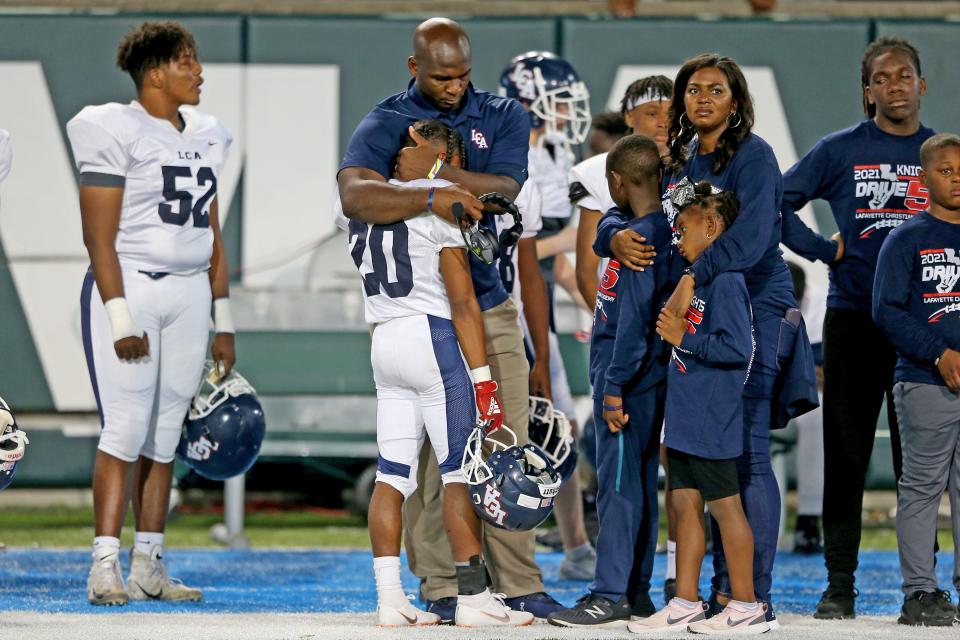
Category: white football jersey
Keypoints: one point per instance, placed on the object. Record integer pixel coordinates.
(530, 203)
(169, 181)
(549, 171)
(399, 263)
(592, 174)
(6, 154)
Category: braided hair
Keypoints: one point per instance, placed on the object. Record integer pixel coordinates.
(724, 204)
(436, 131)
(877, 48)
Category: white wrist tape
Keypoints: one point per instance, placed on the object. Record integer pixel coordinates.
(480, 374)
(121, 322)
(222, 318)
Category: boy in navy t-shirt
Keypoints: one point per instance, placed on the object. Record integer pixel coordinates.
(916, 303)
(628, 374)
(713, 348)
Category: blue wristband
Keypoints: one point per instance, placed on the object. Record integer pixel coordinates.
(430, 193)
(613, 407)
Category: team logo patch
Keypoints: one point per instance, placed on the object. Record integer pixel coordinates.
(478, 139)
(522, 79)
(491, 503)
(202, 449)
(886, 186)
(605, 291)
(941, 269)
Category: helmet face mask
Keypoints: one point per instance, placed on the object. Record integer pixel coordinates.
(551, 431)
(514, 488)
(13, 444)
(550, 88)
(224, 428)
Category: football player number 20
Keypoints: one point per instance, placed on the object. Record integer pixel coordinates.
(187, 207)
(371, 238)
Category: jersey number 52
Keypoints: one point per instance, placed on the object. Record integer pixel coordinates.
(188, 207)
(371, 237)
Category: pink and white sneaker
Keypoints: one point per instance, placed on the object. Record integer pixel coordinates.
(676, 616)
(737, 618)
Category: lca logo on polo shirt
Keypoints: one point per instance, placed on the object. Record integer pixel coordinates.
(476, 137)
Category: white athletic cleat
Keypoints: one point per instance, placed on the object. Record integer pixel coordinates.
(148, 580)
(105, 583)
(489, 610)
(676, 616)
(735, 619)
(404, 615)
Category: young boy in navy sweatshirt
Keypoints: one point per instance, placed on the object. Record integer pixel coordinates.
(869, 173)
(713, 348)
(916, 303)
(628, 372)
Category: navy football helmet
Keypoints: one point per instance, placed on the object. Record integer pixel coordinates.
(13, 443)
(224, 429)
(553, 93)
(514, 488)
(551, 431)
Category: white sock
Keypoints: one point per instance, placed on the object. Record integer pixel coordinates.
(106, 548)
(145, 541)
(671, 560)
(386, 570)
(746, 606)
(687, 603)
(477, 600)
(583, 551)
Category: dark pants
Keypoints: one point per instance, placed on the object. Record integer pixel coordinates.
(858, 373)
(759, 491)
(627, 465)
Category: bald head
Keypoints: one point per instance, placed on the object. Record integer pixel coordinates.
(441, 62)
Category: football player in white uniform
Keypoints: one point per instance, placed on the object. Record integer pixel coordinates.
(550, 89)
(148, 201)
(420, 300)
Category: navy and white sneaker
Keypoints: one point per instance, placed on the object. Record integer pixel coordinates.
(593, 611)
(540, 604)
(446, 608)
(771, 617)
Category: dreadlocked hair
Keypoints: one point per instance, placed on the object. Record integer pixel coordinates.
(680, 135)
(153, 44)
(436, 131)
(651, 84)
(875, 49)
(724, 204)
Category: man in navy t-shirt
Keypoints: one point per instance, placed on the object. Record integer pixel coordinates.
(869, 173)
(916, 303)
(496, 131)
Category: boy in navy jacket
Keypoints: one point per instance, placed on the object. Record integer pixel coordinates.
(713, 348)
(628, 374)
(916, 303)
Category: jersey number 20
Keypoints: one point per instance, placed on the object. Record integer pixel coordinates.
(187, 206)
(372, 237)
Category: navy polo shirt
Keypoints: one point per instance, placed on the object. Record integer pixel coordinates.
(496, 131)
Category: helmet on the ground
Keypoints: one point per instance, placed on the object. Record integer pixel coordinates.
(553, 93)
(551, 431)
(13, 444)
(224, 429)
(514, 487)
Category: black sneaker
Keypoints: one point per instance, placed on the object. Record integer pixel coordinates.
(446, 608)
(836, 603)
(922, 608)
(593, 611)
(642, 606)
(669, 590)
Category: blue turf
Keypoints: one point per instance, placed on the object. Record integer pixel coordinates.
(342, 581)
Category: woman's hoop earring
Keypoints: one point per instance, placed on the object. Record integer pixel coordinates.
(739, 120)
(689, 124)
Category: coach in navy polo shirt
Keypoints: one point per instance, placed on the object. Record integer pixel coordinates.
(497, 132)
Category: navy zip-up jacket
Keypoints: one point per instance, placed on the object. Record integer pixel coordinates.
(916, 295)
(704, 412)
(871, 180)
(625, 351)
(752, 245)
